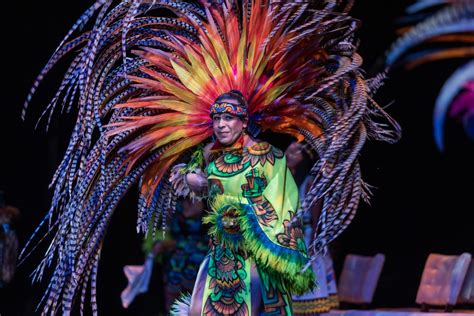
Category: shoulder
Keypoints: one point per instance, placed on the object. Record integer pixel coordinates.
(259, 148)
(264, 154)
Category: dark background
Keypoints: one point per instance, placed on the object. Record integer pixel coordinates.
(422, 202)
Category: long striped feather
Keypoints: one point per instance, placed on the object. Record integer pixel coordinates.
(144, 83)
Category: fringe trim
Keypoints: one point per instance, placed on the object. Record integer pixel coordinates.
(315, 306)
(219, 205)
(181, 306)
(279, 262)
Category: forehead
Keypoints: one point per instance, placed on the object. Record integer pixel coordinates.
(230, 100)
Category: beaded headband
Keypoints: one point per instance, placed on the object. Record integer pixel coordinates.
(224, 107)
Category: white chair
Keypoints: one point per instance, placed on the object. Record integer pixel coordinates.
(359, 278)
(467, 291)
(441, 281)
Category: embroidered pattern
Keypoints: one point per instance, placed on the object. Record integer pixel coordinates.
(293, 236)
(253, 191)
(310, 307)
(276, 300)
(224, 107)
(231, 163)
(227, 283)
(261, 152)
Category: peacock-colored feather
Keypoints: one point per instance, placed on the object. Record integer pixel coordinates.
(449, 34)
(451, 88)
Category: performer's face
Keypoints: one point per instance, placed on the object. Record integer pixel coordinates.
(227, 128)
(294, 155)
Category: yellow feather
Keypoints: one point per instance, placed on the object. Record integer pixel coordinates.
(174, 135)
(199, 136)
(275, 92)
(251, 54)
(241, 55)
(221, 55)
(169, 85)
(260, 66)
(186, 78)
(211, 64)
(180, 93)
(175, 105)
(197, 69)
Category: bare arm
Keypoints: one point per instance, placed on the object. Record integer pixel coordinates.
(197, 181)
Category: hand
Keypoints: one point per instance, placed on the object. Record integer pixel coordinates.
(197, 181)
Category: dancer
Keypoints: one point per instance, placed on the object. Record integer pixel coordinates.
(300, 157)
(180, 253)
(256, 253)
(153, 90)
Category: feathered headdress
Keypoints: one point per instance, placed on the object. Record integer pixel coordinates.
(144, 78)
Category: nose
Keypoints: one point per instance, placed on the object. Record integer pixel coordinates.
(220, 123)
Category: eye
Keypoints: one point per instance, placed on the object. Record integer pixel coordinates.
(216, 118)
(228, 117)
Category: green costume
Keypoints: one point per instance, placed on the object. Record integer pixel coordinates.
(253, 197)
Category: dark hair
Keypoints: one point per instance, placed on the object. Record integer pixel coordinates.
(233, 95)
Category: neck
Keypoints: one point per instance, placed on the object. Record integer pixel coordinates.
(238, 143)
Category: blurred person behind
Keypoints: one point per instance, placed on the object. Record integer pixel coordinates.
(8, 241)
(179, 254)
(300, 158)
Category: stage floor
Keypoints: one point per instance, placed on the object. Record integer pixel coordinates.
(396, 312)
